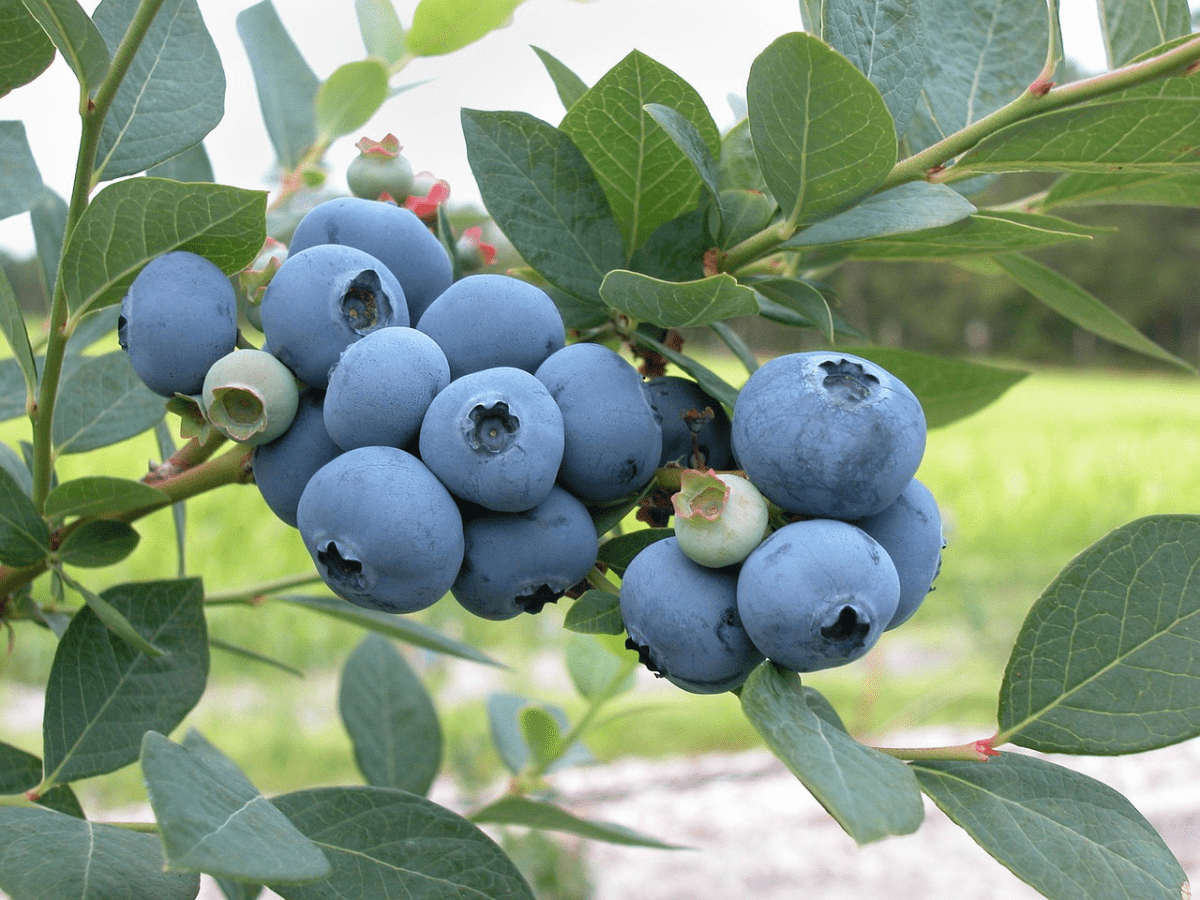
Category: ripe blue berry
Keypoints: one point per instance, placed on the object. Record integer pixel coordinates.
(682, 619)
(519, 562)
(382, 530)
(613, 439)
(494, 438)
(321, 301)
(382, 385)
(817, 594)
(828, 435)
(178, 317)
(484, 321)
(283, 467)
(683, 408)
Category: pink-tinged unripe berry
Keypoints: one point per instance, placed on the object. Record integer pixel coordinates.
(719, 518)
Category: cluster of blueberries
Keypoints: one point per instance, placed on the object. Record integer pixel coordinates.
(430, 436)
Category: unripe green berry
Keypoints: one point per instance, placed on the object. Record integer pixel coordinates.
(250, 396)
(380, 169)
(719, 518)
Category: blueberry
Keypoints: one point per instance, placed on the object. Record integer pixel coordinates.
(828, 435)
(484, 321)
(682, 619)
(178, 317)
(494, 438)
(382, 530)
(613, 439)
(719, 518)
(321, 301)
(390, 233)
(518, 562)
(382, 385)
(683, 408)
(910, 530)
(283, 467)
(817, 594)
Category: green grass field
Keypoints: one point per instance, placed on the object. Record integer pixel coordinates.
(1024, 485)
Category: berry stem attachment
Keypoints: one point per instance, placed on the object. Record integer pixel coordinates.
(974, 751)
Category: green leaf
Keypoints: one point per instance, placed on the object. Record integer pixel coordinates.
(980, 234)
(823, 136)
(89, 860)
(595, 612)
(1152, 188)
(386, 843)
(570, 86)
(918, 206)
(647, 179)
(1069, 836)
(690, 141)
(542, 194)
(254, 656)
(97, 544)
(95, 495)
(238, 890)
(869, 794)
(102, 402)
(528, 813)
(15, 465)
(75, 36)
(103, 695)
(596, 671)
(712, 383)
(213, 820)
(737, 167)
(12, 390)
(807, 305)
(390, 718)
(349, 97)
(675, 252)
(981, 56)
(172, 95)
(91, 328)
(287, 86)
(885, 39)
(131, 222)
(382, 33)
(1075, 304)
(618, 552)
(542, 736)
(21, 772)
(191, 165)
(443, 26)
(949, 389)
(677, 305)
(407, 630)
(506, 726)
(1108, 658)
(12, 323)
(25, 49)
(114, 620)
(24, 537)
(21, 186)
(49, 219)
(1155, 134)
(1130, 27)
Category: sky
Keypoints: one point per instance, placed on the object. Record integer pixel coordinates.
(695, 38)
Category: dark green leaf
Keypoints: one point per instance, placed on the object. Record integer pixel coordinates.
(131, 222)
(443, 26)
(349, 97)
(191, 165)
(1075, 304)
(172, 95)
(1069, 836)
(690, 141)
(102, 402)
(1130, 27)
(25, 49)
(981, 234)
(49, 219)
(97, 544)
(95, 495)
(797, 297)
(254, 656)
(608, 515)
(380, 27)
(712, 383)
(15, 465)
(76, 38)
(677, 305)
(12, 324)
(596, 612)
(21, 772)
(386, 843)
(24, 537)
(287, 86)
(390, 718)
(87, 860)
(103, 695)
(114, 620)
(647, 179)
(869, 794)
(618, 552)
(542, 194)
(21, 186)
(736, 344)
(737, 168)
(1157, 188)
(514, 810)
(402, 629)
(596, 671)
(811, 112)
(212, 819)
(238, 890)
(675, 252)
(570, 86)
(1108, 659)
(918, 206)
(12, 390)
(949, 389)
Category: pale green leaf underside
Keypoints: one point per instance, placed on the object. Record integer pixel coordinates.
(677, 305)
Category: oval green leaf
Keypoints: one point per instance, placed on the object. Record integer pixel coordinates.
(75, 36)
(28, 50)
(21, 186)
(595, 612)
(443, 26)
(102, 401)
(674, 304)
(349, 97)
(910, 207)
(98, 544)
(95, 495)
(523, 811)
(24, 536)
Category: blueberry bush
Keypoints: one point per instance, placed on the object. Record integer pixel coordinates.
(509, 440)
